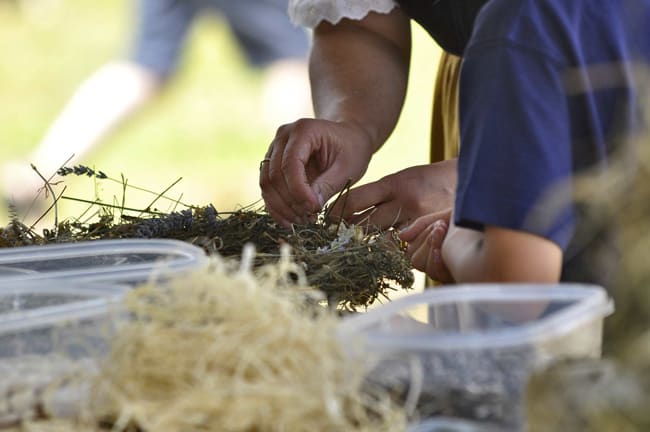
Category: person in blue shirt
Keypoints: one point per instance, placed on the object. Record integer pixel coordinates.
(551, 91)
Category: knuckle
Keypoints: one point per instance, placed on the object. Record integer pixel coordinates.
(303, 125)
(282, 130)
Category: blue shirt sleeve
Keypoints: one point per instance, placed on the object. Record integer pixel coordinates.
(515, 161)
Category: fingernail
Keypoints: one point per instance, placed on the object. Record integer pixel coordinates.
(437, 256)
(405, 229)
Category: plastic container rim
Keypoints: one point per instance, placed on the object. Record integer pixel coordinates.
(67, 250)
(450, 423)
(102, 299)
(593, 304)
(192, 257)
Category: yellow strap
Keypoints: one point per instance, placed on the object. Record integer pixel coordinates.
(445, 133)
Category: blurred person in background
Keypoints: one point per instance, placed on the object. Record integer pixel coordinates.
(119, 89)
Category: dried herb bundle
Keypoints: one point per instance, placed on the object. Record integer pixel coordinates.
(352, 266)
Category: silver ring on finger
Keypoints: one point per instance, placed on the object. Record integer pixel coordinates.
(263, 161)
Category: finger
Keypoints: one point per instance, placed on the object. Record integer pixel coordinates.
(414, 245)
(331, 177)
(410, 232)
(296, 157)
(274, 202)
(436, 267)
(440, 272)
(360, 199)
(419, 253)
(275, 198)
(426, 257)
(384, 216)
(439, 232)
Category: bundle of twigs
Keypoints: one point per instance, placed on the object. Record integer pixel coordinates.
(353, 266)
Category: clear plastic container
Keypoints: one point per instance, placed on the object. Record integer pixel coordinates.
(444, 424)
(52, 335)
(128, 261)
(35, 317)
(468, 351)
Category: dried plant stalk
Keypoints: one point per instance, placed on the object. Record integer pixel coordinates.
(353, 266)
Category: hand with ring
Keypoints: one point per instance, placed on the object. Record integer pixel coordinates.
(309, 161)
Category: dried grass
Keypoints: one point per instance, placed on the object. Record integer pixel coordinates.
(228, 351)
(354, 266)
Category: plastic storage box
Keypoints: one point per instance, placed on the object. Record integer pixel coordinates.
(443, 424)
(128, 261)
(467, 351)
(52, 333)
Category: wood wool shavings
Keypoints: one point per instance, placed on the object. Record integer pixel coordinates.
(224, 350)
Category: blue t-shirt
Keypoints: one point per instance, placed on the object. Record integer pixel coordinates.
(547, 90)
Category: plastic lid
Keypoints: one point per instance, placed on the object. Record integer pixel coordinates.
(448, 424)
(30, 305)
(582, 304)
(121, 260)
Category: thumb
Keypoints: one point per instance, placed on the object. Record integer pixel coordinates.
(324, 190)
(330, 183)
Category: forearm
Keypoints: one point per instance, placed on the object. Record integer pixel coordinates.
(359, 72)
(501, 255)
(464, 255)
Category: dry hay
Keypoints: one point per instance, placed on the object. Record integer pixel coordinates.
(353, 266)
(226, 350)
(54, 425)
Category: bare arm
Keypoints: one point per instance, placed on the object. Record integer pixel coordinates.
(359, 71)
(501, 255)
(463, 255)
(358, 74)
(498, 255)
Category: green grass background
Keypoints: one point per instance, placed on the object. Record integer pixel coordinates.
(204, 128)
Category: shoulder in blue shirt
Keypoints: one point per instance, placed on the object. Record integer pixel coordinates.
(548, 90)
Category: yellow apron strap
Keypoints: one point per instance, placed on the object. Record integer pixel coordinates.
(445, 134)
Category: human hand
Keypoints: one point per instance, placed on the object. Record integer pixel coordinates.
(425, 238)
(400, 198)
(308, 162)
